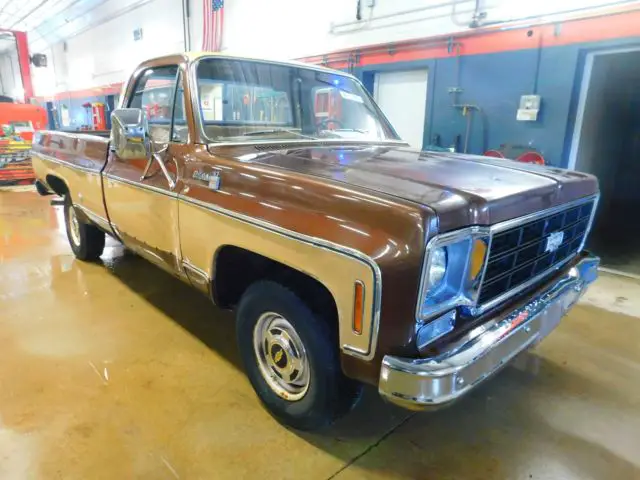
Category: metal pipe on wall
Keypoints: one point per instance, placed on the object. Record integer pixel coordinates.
(405, 22)
(449, 3)
(186, 25)
(448, 40)
(453, 39)
(495, 23)
(467, 132)
(351, 55)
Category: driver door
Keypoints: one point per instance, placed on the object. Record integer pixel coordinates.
(142, 197)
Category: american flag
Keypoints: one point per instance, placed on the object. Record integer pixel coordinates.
(212, 29)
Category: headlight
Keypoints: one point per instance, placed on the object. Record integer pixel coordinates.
(453, 269)
(437, 268)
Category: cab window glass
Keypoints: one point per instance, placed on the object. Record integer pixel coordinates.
(154, 95)
(180, 129)
(243, 100)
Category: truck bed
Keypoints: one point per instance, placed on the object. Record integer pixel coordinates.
(86, 150)
(97, 133)
(76, 160)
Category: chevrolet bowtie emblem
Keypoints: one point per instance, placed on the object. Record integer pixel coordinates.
(554, 241)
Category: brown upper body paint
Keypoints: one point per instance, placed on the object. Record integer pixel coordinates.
(339, 213)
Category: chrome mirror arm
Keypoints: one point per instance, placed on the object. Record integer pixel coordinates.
(146, 168)
(163, 167)
(156, 156)
(151, 153)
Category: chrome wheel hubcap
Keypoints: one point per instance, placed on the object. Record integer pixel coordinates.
(74, 226)
(281, 356)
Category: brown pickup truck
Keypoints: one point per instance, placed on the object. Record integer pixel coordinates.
(280, 190)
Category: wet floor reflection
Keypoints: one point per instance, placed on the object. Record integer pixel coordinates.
(118, 370)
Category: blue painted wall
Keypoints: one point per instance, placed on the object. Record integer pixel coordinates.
(494, 82)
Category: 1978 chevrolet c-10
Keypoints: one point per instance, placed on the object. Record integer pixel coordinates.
(281, 190)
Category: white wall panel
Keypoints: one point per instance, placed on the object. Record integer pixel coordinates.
(44, 78)
(298, 28)
(101, 49)
(107, 53)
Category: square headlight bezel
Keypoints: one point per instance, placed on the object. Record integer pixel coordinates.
(459, 291)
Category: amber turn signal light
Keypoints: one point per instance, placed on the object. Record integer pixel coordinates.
(358, 307)
(478, 253)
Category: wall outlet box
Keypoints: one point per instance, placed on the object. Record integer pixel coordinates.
(39, 60)
(525, 115)
(529, 108)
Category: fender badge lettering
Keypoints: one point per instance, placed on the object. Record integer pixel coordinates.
(213, 178)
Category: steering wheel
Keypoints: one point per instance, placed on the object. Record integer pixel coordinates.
(324, 123)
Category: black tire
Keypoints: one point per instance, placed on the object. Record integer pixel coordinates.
(329, 394)
(89, 244)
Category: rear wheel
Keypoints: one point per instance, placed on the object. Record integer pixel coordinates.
(86, 240)
(291, 358)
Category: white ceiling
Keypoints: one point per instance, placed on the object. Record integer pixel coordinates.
(46, 21)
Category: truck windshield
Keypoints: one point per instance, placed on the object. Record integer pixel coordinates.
(242, 100)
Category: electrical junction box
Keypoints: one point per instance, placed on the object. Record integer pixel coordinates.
(39, 60)
(529, 108)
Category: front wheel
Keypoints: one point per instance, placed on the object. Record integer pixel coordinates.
(291, 358)
(86, 240)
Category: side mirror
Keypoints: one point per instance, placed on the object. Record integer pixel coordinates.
(130, 133)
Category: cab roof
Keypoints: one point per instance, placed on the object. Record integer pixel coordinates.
(194, 56)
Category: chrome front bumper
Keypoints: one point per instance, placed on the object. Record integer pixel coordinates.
(428, 382)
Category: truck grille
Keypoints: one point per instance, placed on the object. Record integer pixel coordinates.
(520, 253)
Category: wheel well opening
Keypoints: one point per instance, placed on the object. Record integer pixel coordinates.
(236, 269)
(57, 185)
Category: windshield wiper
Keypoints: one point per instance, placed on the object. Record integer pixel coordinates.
(276, 130)
(358, 130)
(336, 132)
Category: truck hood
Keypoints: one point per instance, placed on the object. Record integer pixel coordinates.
(462, 189)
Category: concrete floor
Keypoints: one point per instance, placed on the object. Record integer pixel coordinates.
(118, 371)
